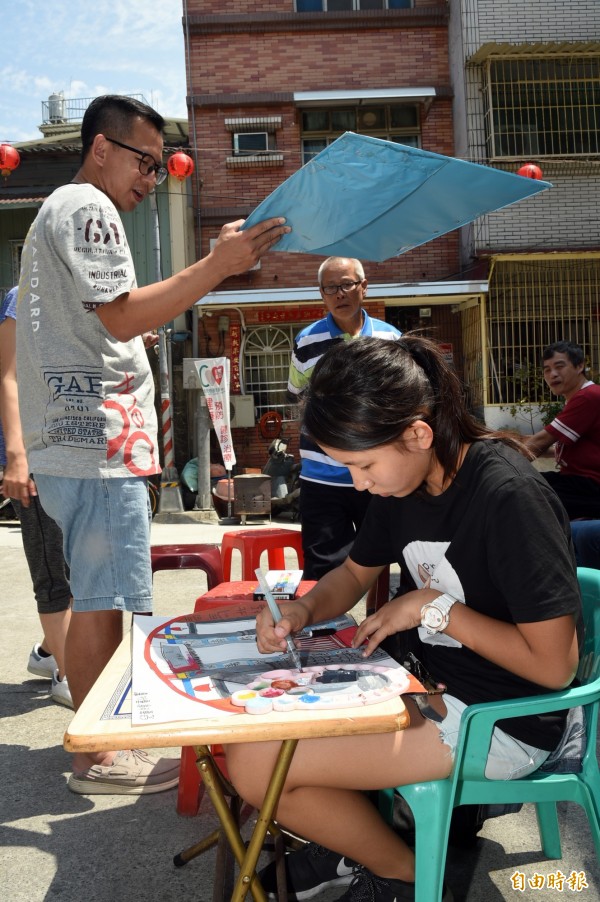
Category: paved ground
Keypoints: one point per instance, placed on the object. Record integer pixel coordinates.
(55, 845)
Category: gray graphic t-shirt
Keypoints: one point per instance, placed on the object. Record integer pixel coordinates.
(86, 399)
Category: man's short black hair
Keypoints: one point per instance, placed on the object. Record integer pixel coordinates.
(574, 352)
(114, 114)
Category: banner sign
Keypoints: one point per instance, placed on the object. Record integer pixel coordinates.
(235, 337)
(214, 373)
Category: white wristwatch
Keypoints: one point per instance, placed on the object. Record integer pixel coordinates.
(435, 615)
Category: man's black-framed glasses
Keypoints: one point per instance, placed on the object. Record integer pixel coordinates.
(147, 163)
(344, 286)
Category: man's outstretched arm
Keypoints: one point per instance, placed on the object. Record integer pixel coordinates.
(236, 251)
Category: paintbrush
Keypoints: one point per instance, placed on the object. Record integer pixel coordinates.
(276, 614)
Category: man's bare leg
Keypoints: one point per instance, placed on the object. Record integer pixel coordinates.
(92, 639)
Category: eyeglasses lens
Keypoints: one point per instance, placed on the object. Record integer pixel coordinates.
(147, 168)
(345, 287)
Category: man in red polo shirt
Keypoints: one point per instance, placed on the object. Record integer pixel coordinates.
(575, 432)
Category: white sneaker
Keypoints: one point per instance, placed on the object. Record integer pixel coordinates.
(39, 665)
(60, 691)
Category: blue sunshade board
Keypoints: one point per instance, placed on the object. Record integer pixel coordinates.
(372, 199)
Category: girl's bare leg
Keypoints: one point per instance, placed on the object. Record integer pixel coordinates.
(322, 798)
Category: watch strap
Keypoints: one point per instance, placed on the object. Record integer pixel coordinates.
(444, 602)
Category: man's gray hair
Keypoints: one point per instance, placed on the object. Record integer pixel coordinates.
(358, 267)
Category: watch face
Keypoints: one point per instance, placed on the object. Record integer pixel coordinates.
(433, 618)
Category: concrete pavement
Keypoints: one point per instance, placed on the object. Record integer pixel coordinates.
(58, 845)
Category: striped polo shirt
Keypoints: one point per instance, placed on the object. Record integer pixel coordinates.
(310, 344)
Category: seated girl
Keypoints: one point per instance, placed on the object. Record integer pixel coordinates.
(488, 577)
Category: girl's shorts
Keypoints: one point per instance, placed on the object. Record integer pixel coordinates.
(508, 758)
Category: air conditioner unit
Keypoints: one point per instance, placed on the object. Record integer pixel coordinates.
(241, 411)
(250, 142)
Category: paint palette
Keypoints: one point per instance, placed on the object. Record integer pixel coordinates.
(327, 687)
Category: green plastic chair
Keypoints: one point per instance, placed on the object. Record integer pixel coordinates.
(432, 803)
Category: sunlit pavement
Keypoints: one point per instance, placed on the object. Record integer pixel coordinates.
(58, 845)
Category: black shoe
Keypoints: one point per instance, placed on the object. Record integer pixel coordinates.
(367, 887)
(308, 872)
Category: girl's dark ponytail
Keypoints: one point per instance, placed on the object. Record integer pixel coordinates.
(367, 392)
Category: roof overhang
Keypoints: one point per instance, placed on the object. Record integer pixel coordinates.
(394, 294)
(534, 49)
(371, 95)
(67, 138)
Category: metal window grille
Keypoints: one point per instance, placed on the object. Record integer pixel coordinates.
(267, 353)
(532, 304)
(543, 107)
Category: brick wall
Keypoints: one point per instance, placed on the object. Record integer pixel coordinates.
(241, 64)
(564, 217)
(256, 7)
(239, 72)
(537, 20)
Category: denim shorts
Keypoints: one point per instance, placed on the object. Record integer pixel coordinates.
(106, 539)
(508, 758)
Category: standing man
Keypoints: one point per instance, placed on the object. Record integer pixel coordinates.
(86, 392)
(576, 431)
(42, 539)
(331, 509)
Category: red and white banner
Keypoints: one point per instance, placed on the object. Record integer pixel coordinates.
(214, 373)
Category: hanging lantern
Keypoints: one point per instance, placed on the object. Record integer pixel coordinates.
(530, 171)
(180, 165)
(9, 159)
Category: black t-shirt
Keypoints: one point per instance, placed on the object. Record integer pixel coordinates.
(498, 539)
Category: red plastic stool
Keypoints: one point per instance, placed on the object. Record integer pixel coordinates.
(191, 788)
(252, 542)
(186, 557)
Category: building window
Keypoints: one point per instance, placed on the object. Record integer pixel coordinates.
(317, 6)
(393, 122)
(544, 107)
(267, 354)
(253, 141)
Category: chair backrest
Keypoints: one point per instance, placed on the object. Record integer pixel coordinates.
(432, 802)
(478, 720)
(589, 662)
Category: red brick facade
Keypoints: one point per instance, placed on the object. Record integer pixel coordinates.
(246, 60)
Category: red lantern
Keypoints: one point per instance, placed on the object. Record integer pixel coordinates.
(530, 171)
(9, 159)
(180, 165)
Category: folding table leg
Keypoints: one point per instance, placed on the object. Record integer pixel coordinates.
(228, 837)
(247, 879)
(213, 782)
(223, 880)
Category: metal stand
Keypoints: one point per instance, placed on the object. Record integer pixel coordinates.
(170, 490)
(228, 837)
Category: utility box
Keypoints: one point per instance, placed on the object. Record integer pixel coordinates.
(241, 409)
(251, 495)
